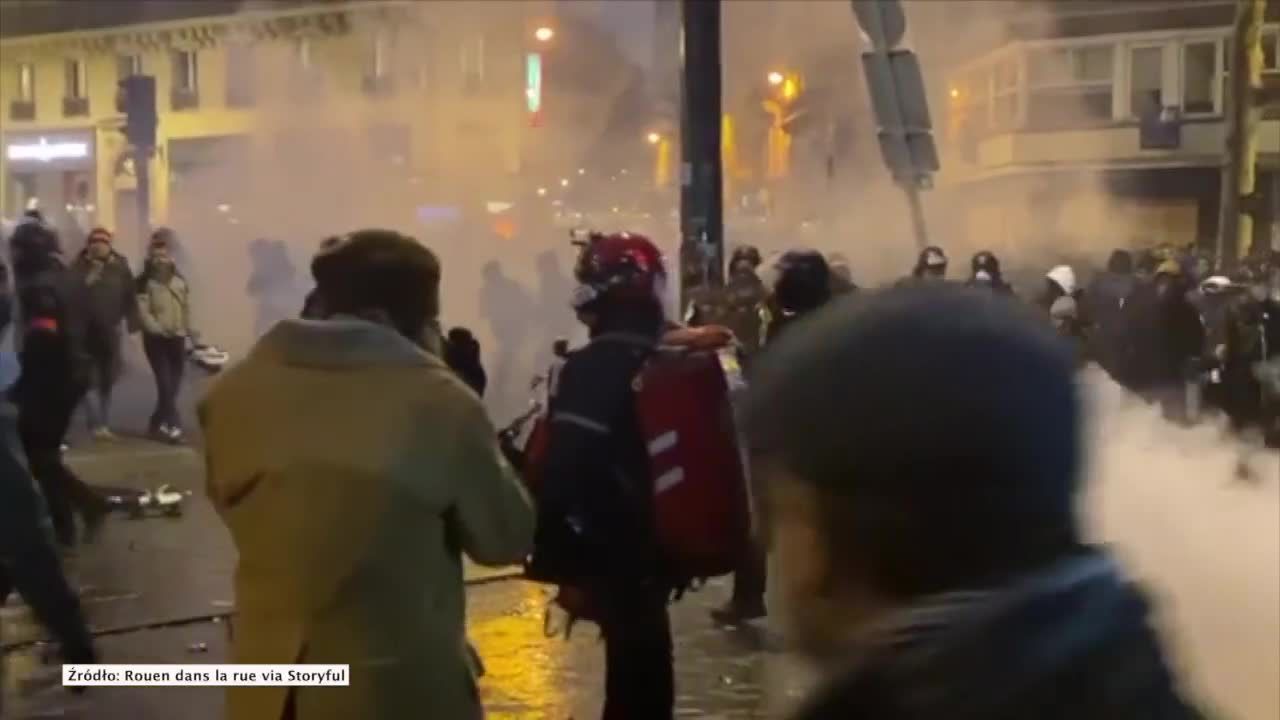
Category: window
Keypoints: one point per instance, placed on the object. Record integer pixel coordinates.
(378, 78)
(26, 83)
(128, 66)
(242, 75)
(186, 78)
(1004, 98)
(1271, 51)
(472, 63)
(1070, 86)
(1146, 81)
(1199, 77)
(77, 85)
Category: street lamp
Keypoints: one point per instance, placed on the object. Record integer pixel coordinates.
(654, 138)
(544, 34)
(776, 78)
(564, 182)
(542, 192)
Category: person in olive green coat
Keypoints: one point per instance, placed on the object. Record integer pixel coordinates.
(353, 469)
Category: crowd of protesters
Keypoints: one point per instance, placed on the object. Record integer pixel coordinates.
(915, 453)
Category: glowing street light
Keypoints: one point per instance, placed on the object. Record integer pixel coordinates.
(654, 138)
(542, 192)
(582, 171)
(564, 182)
(955, 93)
(776, 78)
(544, 34)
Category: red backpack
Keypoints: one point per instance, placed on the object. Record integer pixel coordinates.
(683, 402)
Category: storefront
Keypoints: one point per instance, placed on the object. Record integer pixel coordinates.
(54, 172)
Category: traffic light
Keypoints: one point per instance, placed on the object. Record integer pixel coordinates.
(137, 100)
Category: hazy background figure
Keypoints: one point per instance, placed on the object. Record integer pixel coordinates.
(510, 311)
(273, 284)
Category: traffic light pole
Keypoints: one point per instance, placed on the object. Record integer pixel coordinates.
(701, 188)
(142, 174)
(912, 188)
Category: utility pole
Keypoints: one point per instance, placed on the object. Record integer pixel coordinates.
(701, 183)
(1241, 207)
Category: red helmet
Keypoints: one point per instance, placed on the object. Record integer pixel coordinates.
(620, 266)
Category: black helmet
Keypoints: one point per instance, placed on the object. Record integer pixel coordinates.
(986, 261)
(931, 258)
(32, 245)
(803, 281)
(745, 253)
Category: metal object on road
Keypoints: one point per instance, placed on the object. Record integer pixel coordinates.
(900, 104)
(701, 181)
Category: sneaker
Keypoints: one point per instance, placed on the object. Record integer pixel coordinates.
(162, 432)
(734, 613)
(63, 448)
(175, 435)
(104, 434)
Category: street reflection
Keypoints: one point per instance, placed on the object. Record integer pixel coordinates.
(524, 670)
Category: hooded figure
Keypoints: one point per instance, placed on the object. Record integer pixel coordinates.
(802, 284)
(353, 470)
(1108, 301)
(986, 273)
(462, 355)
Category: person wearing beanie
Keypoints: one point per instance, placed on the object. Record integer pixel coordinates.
(353, 469)
(112, 305)
(164, 311)
(933, 562)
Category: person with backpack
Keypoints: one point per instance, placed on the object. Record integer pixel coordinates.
(596, 534)
(164, 309)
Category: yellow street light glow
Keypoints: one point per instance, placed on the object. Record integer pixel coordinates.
(544, 34)
(790, 89)
(776, 78)
(542, 192)
(654, 138)
(955, 93)
(564, 182)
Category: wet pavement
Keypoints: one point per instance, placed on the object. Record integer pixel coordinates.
(154, 589)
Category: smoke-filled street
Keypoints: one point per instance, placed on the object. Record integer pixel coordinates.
(805, 360)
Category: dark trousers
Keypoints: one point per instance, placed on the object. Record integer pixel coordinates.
(639, 678)
(42, 426)
(750, 577)
(168, 357)
(104, 370)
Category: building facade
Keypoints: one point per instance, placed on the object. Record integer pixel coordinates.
(1090, 130)
(299, 105)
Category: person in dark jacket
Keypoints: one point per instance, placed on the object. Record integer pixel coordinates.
(933, 562)
(595, 507)
(738, 305)
(112, 304)
(802, 285)
(462, 355)
(29, 562)
(53, 307)
(985, 273)
(1169, 339)
(1108, 298)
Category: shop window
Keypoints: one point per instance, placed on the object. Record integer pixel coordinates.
(185, 91)
(128, 66)
(75, 98)
(23, 106)
(1200, 78)
(242, 75)
(1070, 87)
(1146, 80)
